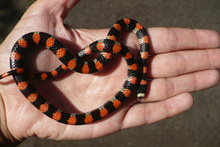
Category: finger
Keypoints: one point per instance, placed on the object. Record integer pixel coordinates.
(161, 39)
(183, 62)
(147, 113)
(172, 39)
(169, 87)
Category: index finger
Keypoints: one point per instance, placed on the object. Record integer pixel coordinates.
(174, 39)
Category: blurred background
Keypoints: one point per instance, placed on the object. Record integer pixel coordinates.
(199, 126)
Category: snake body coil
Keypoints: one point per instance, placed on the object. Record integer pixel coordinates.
(106, 47)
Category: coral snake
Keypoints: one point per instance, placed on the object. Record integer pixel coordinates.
(105, 47)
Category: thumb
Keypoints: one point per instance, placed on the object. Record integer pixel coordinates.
(57, 8)
(42, 15)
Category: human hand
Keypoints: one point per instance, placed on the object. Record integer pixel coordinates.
(176, 63)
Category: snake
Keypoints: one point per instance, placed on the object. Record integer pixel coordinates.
(136, 72)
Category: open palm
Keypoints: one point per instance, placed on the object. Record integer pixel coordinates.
(175, 71)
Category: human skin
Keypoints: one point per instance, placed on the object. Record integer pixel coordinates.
(176, 62)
